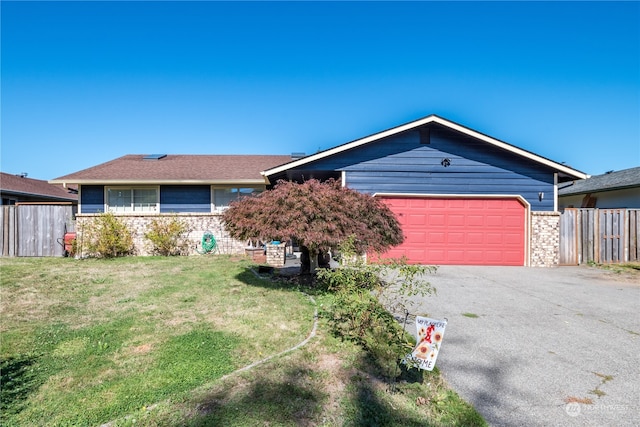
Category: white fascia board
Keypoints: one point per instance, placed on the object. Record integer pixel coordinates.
(511, 148)
(348, 146)
(421, 122)
(555, 192)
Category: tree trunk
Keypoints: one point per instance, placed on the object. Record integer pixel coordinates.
(313, 261)
(308, 260)
(305, 267)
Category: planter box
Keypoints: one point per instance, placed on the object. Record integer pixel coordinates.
(256, 254)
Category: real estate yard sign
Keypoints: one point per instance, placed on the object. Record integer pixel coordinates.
(430, 333)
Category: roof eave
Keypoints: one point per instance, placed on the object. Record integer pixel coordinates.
(44, 196)
(417, 123)
(597, 190)
(156, 181)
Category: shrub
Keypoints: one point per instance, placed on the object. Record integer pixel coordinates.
(356, 312)
(108, 237)
(318, 215)
(168, 236)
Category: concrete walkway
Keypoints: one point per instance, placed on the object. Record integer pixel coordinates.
(549, 347)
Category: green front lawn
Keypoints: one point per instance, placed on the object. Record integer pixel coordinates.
(156, 341)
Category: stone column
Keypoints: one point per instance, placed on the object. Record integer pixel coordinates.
(545, 239)
(276, 254)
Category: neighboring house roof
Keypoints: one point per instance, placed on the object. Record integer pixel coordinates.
(565, 171)
(21, 187)
(627, 178)
(177, 169)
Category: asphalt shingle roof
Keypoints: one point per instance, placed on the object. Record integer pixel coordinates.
(178, 168)
(626, 178)
(19, 185)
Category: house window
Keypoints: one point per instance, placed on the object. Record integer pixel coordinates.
(222, 197)
(123, 199)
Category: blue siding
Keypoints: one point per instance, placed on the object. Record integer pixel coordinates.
(185, 198)
(91, 198)
(401, 164)
(173, 198)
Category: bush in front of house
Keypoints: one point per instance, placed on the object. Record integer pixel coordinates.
(360, 312)
(108, 237)
(168, 236)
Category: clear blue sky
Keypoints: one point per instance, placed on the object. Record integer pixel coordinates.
(86, 82)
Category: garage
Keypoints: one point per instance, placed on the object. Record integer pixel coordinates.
(463, 197)
(460, 231)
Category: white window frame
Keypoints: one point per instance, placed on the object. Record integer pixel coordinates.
(216, 208)
(155, 208)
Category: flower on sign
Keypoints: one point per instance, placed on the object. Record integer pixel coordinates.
(423, 351)
(437, 337)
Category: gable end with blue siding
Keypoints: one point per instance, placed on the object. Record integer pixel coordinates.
(433, 159)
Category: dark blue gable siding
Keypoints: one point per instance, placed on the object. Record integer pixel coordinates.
(185, 198)
(92, 198)
(402, 164)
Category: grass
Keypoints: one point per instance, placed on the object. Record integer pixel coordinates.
(603, 380)
(629, 267)
(155, 341)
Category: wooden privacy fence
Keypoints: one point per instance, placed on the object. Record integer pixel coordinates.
(34, 230)
(599, 235)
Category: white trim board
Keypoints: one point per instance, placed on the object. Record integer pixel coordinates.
(421, 122)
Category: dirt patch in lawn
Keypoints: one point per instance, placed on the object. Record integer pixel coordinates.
(621, 273)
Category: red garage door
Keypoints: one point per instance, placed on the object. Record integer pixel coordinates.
(460, 231)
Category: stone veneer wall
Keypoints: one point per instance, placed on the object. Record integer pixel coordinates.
(198, 223)
(276, 254)
(545, 235)
(545, 239)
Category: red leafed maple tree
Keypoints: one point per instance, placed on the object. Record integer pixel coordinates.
(318, 215)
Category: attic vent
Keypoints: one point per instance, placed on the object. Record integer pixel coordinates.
(296, 156)
(154, 156)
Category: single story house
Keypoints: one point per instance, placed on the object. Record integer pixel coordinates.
(612, 190)
(461, 196)
(139, 188)
(18, 189)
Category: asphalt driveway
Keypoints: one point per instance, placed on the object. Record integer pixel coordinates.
(545, 343)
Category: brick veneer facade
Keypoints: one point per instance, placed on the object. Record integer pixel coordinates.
(545, 239)
(197, 223)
